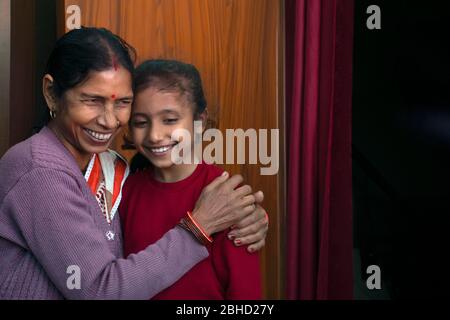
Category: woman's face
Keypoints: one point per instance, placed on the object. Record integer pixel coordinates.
(156, 115)
(90, 115)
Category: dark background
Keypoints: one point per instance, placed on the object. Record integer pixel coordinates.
(401, 147)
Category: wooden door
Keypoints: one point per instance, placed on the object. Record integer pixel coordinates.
(237, 46)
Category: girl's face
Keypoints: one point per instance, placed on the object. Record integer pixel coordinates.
(90, 115)
(156, 114)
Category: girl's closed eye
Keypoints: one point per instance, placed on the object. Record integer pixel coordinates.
(139, 123)
(170, 121)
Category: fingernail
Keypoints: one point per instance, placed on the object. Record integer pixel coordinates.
(231, 236)
(251, 250)
(237, 242)
(225, 174)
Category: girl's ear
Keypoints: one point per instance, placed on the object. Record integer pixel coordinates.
(204, 118)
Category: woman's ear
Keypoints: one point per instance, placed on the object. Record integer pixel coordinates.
(48, 92)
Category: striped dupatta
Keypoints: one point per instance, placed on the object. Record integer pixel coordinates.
(105, 175)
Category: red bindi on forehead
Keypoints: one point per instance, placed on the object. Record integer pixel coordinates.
(113, 96)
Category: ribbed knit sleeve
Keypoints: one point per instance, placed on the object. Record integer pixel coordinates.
(54, 217)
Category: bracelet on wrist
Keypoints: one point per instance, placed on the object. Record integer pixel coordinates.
(188, 223)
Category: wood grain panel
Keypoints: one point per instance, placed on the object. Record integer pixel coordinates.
(236, 45)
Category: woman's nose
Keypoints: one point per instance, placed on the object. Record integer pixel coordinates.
(108, 119)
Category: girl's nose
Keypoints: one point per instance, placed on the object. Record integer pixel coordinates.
(156, 134)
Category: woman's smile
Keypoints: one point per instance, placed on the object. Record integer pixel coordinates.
(98, 137)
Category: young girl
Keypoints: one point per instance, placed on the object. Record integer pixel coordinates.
(169, 96)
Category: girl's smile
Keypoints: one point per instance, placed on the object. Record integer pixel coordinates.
(161, 151)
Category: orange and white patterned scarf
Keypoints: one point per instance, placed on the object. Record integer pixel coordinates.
(107, 189)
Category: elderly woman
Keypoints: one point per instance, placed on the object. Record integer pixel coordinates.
(60, 189)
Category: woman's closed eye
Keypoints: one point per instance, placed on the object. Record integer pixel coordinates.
(92, 101)
(123, 103)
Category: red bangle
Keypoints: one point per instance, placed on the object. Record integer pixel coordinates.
(189, 224)
(191, 218)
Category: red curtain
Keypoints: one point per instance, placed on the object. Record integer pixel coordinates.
(319, 47)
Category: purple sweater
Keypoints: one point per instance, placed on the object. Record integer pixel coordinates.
(51, 222)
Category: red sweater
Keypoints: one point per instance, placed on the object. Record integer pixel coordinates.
(150, 208)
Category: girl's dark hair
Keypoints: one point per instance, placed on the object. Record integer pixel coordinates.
(81, 51)
(168, 75)
(172, 75)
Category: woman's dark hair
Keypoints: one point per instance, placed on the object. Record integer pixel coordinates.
(168, 75)
(81, 51)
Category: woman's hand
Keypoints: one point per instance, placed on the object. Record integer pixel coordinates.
(252, 229)
(222, 205)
